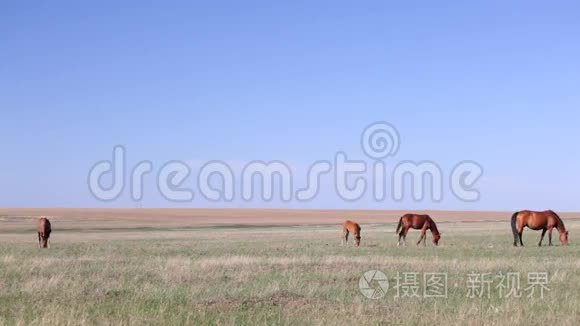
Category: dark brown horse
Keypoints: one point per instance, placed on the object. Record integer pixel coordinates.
(351, 227)
(545, 221)
(418, 222)
(43, 228)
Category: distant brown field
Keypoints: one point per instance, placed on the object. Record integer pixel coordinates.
(157, 217)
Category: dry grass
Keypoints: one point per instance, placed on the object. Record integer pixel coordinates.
(269, 275)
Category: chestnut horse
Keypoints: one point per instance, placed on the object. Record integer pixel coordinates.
(545, 221)
(43, 228)
(417, 222)
(351, 227)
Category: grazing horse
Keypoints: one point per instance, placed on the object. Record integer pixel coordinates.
(545, 221)
(43, 228)
(417, 222)
(351, 227)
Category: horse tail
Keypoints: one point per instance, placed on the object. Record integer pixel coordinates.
(514, 225)
(400, 225)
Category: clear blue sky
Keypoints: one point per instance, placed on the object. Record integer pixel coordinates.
(492, 81)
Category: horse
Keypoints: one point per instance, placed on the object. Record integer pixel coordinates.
(545, 221)
(417, 222)
(43, 228)
(350, 227)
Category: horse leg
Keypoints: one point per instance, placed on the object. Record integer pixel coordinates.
(401, 236)
(346, 237)
(550, 236)
(405, 231)
(423, 236)
(520, 232)
(542, 237)
(39, 240)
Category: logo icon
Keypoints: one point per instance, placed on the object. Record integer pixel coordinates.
(373, 285)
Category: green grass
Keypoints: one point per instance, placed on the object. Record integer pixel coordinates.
(276, 275)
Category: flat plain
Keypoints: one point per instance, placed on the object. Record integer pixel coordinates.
(164, 266)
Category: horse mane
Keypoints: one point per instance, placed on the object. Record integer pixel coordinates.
(560, 223)
(434, 229)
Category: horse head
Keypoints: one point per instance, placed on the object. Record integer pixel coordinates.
(436, 238)
(357, 240)
(564, 238)
(43, 242)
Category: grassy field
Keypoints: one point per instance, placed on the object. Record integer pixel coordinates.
(273, 275)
